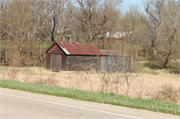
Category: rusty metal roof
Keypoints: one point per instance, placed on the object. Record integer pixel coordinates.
(75, 48)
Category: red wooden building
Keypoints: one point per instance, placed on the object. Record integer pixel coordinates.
(71, 56)
(67, 56)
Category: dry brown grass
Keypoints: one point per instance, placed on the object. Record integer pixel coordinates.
(168, 93)
(145, 85)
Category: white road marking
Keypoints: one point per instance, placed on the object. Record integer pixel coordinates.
(73, 106)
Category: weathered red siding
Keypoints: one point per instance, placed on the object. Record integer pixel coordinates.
(55, 50)
(65, 48)
(63, 68)
(48, 58)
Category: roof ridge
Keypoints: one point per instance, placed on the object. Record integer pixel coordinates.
(78, 48)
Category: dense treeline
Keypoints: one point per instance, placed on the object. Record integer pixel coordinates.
(29, 27)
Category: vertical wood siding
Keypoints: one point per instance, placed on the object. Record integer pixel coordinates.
(55, 64)
(48, 59)
(83, 62)
(64, 57)
(55, 50)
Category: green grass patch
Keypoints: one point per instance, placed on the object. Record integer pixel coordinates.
(140, 68)
(101, 97)
(152, 72)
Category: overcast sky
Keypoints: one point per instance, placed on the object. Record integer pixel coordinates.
(127, 3)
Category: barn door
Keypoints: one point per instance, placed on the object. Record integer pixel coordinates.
(55, 62)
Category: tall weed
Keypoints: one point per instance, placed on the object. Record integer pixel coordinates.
(168, 94)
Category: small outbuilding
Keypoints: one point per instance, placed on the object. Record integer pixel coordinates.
(73, 56)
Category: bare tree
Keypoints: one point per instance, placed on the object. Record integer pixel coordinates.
(94, 14)
(17, 29)
(19, 33)
(170, 27)
(133, 26)
(163, 26)
(50, 13)
(154, 10)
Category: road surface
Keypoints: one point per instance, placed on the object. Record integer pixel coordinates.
(16, 104)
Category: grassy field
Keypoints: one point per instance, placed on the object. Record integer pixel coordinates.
(147, 84)
(100, 97)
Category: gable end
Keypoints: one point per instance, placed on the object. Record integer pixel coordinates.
(55, 49)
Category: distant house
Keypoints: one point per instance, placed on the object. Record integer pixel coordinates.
(70, 56)
(112, 38)
(115, 35)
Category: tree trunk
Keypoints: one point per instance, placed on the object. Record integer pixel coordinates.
(167, 59)
(136, 53)
(154, 51)
(53, 30)
(90, 34)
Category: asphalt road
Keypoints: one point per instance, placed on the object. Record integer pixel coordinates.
(16, 104)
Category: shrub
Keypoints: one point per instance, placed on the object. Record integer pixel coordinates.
(112, 94)
(155, 63)
(174, 67)
(101, 92)
(168, 93)
(141, 58)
